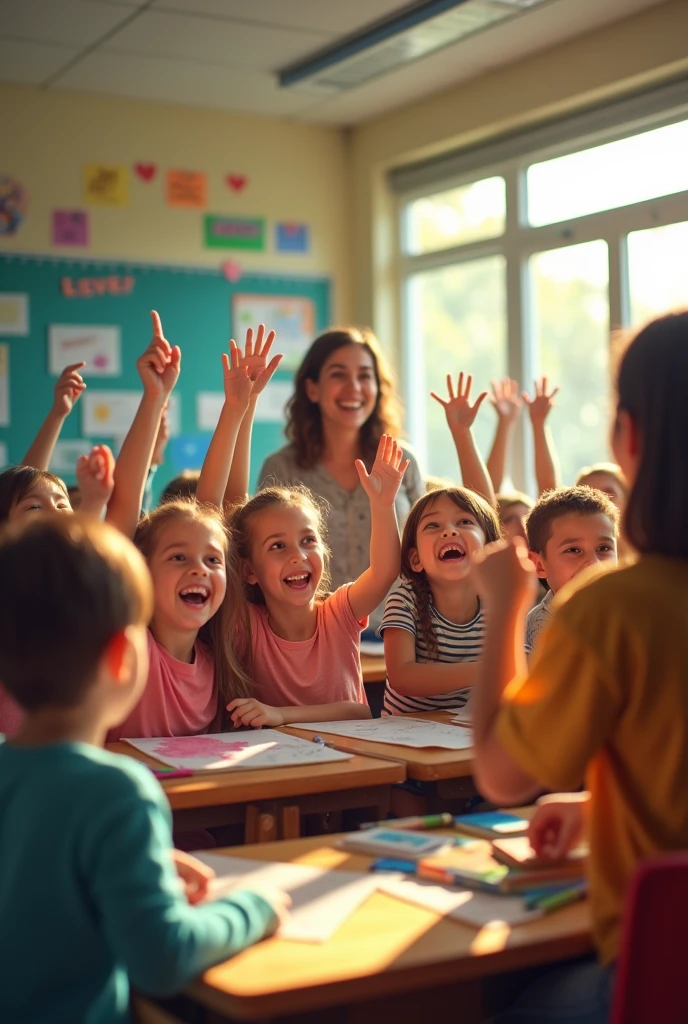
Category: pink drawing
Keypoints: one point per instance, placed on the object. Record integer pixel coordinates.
(232, 271)
(199, 746)
(100, 362)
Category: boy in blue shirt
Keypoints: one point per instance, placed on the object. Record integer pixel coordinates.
(89, 896)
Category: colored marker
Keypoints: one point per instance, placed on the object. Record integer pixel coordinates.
(559, 899)
(421, 823)
(172, 773)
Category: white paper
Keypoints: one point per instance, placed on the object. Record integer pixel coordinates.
(270, 407)
(291, 317)
(4, 384)
(208, 408)
(96, 345)
(264, 748)
(65, 455)
(464, 716)
(399, 729)
(111, 413)
(479, 909)
(14, 313)
(321, 899)
(4, 457)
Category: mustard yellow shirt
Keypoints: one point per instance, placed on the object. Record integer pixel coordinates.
(606, 700)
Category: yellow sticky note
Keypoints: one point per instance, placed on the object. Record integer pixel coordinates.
(106, 184)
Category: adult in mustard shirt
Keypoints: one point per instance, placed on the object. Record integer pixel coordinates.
(606, 698)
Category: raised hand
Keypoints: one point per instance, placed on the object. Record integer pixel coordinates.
(255, 358)
(237, 383)
(504, 573)
(247, 711)
(95, 477)
(384, 480)
(542, 403)
(457, 408)
(68, 389)
(159, 365)
(506, 399)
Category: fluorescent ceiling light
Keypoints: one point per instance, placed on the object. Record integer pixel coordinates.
(417, 31)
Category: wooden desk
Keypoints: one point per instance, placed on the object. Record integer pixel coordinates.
(390, 961)
(373, 669)
(270, 801)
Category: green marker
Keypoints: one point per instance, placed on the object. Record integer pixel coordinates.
(419, 824)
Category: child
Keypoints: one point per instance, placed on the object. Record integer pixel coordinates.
(85, 837)
(433, 623)
(460, 419)
(606, 477)
(568, 530)
(304, 644)
(605, 697)
(514, 509)
(507, 403)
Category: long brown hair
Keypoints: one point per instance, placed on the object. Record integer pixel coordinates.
(304, 420)
(486, 518)
(226, 633)
(651, 388)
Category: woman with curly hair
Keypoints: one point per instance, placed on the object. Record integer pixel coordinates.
(344, 401)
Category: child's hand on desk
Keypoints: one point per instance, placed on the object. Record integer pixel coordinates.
(195, 875)
(254, 358)
(279, 901)
(159, 365)
(68, 389)
(384, 480)
(557, 825)
(503, 573)
(247, 711)
(95, 476)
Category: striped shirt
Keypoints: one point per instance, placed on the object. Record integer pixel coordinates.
(455, 642)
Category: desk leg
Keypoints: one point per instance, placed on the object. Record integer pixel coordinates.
(261, 824)
(291, 822)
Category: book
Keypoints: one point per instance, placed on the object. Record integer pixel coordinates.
(475, 866)
(516, 852)
(491, 824)
(401, 844)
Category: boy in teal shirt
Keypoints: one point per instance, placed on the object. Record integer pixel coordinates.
(89, 896)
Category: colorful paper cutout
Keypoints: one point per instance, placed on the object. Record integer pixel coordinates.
(111, 413)
(106, 184)
(14, 204)
(232, 271)
(292, 237)
(89, 287)
(14, 313)
(236, 182)
(97, 346)
(187, 188)
(70, 227)
(146, 172)
(235, 233)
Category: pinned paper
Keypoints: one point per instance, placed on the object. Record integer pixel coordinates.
(189, 450)
(70, 227)
(291, 317)
(66, 454)
(14, 204)
(232, 271)
(187, 188)
(236, 182)
(292, 237)
(4, 384)
(235, 233)
(111, 413)
(4, 455)
(14, 313)
(97, 346)
(106, 184)
(146, 172)
(208, 408)
(270, 407)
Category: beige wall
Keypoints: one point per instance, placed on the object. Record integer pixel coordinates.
(645, 49)
(296, 173)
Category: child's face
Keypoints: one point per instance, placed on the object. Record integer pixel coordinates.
(607, 483)
(513, 520)
(576, 542)
(44, 496)
(287, 555)
(188, 567)
(447, 540)
(346, 389)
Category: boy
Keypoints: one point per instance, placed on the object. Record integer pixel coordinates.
(89, 897)
(568, 530)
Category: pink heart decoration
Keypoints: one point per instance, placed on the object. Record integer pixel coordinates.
(232, 271)
(146, 172)
(236, 181)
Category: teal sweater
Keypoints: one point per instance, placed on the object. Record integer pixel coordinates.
(89, 897)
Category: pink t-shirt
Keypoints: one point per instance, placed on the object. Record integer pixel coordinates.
(322, 670)
(11, 715)
(179, 699)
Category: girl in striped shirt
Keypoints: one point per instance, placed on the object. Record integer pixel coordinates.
(433, 623)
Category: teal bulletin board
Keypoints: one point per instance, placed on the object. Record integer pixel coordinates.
(195, 306)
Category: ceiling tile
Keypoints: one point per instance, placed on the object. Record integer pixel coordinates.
(72, 22)
(333, 16)
(174, 81)
(32, 63)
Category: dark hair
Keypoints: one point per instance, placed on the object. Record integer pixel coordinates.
(651, 389)
(609, 468)
(71, 585)
(470, 502)
(565, 501)
(183, 486)
(226, 632)
(304, 420)
(17, 481)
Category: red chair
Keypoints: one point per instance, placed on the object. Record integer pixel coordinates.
(651, 984)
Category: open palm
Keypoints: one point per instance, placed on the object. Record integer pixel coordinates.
(458, 409)
(254, 358)
(384, 480)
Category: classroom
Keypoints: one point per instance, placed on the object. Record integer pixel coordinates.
(343, 490)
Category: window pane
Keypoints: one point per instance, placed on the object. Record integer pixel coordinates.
(466, 214)
(570, 306)
(457, 322)
(657, 261)
(616, 174)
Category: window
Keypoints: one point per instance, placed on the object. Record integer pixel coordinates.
(465, 214)
(657, 270)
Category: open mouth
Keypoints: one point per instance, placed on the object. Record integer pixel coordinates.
(350, 406)
(298, 580)
(451, 553)
(195, 596)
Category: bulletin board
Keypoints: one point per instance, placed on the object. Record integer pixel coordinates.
(197, 308)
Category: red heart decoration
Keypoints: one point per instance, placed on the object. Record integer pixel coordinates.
(146, 172)
(236, 181)
(232, 271)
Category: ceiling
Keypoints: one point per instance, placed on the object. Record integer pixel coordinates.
(224, 53)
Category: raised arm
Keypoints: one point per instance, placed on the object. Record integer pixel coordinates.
(460, 418)
(546, 462)
(381, 486)
(68, 389)
(159, 370)
(507, 403)
(95, 477)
